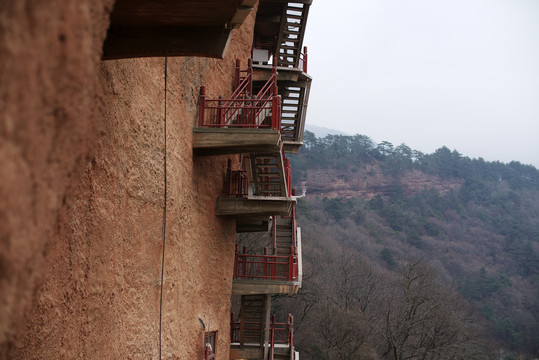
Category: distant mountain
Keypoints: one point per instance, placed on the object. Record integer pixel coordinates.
(476, 223)
(320, 131)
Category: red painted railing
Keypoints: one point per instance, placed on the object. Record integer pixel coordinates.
(242, 109)
(235, 329)
(266, 267)
(303, 60)
(287, 174)
(243, 84)
(280, 333)
(236, 182)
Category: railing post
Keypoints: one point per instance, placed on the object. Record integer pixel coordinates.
(274, 234)
(244, 263)
(250, 75)
(294, 221)
(236, 255)
(237, 74)
(228, 179)
(305, 59)
(220, 111)
(288, 176)
(291, 335)
(272, 336)
(291, 264)
(244, 184)
(202, 106)
(275, 109)
(232, 327)
(265, 264)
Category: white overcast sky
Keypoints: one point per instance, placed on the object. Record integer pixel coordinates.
(428, 73)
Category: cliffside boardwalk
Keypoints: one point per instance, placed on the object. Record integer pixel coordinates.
(262, 120)
(118, 223)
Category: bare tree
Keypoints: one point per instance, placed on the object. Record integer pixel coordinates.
(422, 319)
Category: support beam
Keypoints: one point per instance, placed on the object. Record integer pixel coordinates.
(218, 141)
(129, 42)
(255, 287)
(239, 206)
(143, 28)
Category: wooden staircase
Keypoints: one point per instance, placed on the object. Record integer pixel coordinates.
(294, 103)
(268, 174)
(291, 33)
(253, 319)
(284, 238)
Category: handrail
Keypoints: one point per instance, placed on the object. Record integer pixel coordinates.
(303, 60)
(287, 174)
(244, 85)
(291, 335)
(275, 232)
(268, 86)
(236, 182)
(280, 333)
(294, 242)
(242, 109)
(266, 267)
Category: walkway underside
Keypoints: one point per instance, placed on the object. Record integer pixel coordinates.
(253, 287)
(217, 141)
(142, 28)
(294, 87)
(256, 352)
(248, 207)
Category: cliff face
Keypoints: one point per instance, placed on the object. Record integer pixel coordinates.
(82, 195)
(370, 180)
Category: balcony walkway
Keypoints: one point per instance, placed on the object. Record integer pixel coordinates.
(142, 28)
(294, 88)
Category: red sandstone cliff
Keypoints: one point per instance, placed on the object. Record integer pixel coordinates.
(82, 193)
(366, 182)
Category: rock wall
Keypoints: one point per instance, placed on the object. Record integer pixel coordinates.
(82, 193)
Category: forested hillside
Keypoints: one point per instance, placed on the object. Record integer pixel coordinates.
(412, 255)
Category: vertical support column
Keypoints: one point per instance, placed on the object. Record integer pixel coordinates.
(242, 322)
(220, 119)
(267, 339)
(276, 109)
(288, 176)
(305, 59)
(201, 106)
(232, 338)
(266, 271)
(275, 234)
(291, 264)
(244, 263)
(250, 75)
(228, 179)
(237, 74)
(291, 335)
(272, 337)
(236, 258)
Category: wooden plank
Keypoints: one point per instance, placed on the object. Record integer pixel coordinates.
(217, 141)
(255, 287)
(238, 207)
(246, 353)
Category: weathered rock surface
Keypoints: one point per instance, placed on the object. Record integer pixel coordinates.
(82, 193)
